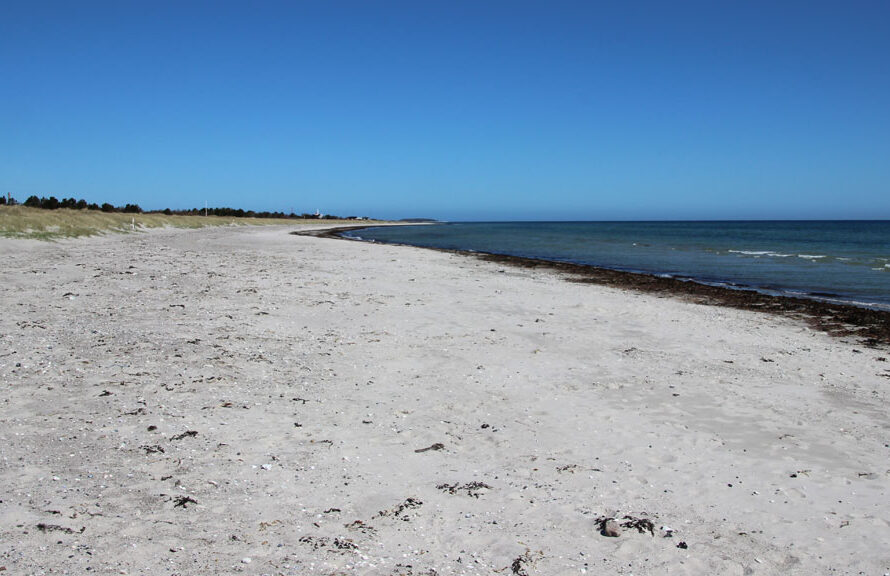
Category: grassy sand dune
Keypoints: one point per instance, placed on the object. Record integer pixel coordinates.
(35, 223)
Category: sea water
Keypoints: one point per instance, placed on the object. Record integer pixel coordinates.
(844, 261)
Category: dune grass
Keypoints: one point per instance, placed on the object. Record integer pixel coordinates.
(36, 223)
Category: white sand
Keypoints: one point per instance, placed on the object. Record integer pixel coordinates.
(761, 443)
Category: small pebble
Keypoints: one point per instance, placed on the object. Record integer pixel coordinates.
(611, 529)
(245, 560)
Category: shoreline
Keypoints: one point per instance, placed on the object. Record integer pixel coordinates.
(871, 326)
(244, 401)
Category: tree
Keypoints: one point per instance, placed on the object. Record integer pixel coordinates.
(132, 209)
(81, 204)
(51, 203)
(32, 202)
(106, 207)
(2, 200)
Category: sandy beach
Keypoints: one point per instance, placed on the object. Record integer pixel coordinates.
(247, 401)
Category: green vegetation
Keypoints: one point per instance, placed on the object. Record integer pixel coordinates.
(53, 203)
(19, 221)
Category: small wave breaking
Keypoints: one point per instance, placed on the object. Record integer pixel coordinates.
(757, 253)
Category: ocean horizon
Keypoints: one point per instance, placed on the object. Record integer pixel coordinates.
(843, 261)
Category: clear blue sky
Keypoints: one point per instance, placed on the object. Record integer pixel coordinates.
(453, 110)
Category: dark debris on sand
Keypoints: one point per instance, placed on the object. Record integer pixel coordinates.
(399, 511)
(473, 489)
(186, 434)
(641, 525)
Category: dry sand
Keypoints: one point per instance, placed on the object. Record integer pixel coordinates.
(228, 401)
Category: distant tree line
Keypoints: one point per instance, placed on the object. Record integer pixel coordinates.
(53, 203)
(239, 213)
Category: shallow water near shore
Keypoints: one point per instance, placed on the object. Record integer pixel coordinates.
(844, 261)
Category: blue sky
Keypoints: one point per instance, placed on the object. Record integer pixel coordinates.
(454, 110)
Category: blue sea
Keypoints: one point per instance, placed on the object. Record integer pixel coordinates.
(839, 261)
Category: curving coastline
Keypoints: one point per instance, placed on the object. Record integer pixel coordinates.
(239, 400)
(870, 326)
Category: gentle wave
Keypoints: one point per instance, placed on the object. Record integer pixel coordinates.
(771, 254)
(760, 253)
